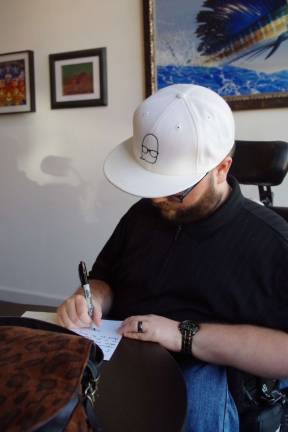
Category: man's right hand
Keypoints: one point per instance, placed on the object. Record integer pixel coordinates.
(74, 312)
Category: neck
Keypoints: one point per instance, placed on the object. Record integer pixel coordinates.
(226, 191)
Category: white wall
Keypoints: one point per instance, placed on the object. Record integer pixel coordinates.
(56, 207)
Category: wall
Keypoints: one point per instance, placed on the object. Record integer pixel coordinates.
(56, 206)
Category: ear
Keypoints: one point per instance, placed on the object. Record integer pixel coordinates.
(222, 169)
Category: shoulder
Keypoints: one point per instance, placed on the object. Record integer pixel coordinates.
(266, 220)
(142, 209)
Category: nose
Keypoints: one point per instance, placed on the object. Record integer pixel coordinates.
(159, 200)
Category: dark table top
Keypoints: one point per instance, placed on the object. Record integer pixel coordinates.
(141, 388)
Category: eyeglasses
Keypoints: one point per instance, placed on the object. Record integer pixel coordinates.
(153, 153)
(180, 196)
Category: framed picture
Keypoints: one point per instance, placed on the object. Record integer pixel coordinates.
(238, 49)
(17, 90)
(78, 78)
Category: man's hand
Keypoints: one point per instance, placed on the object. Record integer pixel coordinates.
(74, 312)
(155, 329)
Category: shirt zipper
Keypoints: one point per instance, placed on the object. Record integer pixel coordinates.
(175, 238)
(179, 229)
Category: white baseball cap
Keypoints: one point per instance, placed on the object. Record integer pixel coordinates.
(179, 134)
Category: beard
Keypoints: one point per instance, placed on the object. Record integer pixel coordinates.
(205, 206)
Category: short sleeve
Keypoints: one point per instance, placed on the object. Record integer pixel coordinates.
(102, 268)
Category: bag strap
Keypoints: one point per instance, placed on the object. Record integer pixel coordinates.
(33, 323)
(90, 394)
(284, 419)
(92, 417)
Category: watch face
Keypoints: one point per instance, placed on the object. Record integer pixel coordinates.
(190, 326)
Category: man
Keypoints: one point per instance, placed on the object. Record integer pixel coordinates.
(193, 250)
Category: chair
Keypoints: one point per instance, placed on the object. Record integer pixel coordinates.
(263, 164)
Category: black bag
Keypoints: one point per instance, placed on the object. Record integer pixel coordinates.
(262, 406)
(48, 378)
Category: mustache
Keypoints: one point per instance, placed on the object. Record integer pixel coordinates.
(163, 205)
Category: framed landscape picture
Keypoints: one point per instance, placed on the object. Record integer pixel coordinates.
(238, 49)
(78, 78)
(17, 91)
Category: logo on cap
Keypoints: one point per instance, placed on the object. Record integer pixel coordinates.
(150, 149)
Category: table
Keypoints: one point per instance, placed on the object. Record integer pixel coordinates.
(141, 388)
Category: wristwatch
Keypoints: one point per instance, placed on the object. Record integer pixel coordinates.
(188, 329)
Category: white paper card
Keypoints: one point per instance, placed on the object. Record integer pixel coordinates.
(106, 336)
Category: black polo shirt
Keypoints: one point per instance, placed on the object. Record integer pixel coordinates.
(231, 267)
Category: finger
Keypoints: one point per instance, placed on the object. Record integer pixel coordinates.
(97, 315)
(59, 319)
(137, 324)
(130, 321)
(62, 316)
(129, 325)
(81, 311)
(137, 336)
(65, 319)
(71, 316)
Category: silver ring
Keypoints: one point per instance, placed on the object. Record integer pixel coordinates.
(140, 327)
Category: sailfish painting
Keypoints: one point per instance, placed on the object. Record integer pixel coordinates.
(230, 30)
(239, 48)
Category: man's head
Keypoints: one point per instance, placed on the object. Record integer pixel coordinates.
(181, 135)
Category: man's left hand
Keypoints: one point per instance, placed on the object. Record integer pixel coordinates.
(154, 329)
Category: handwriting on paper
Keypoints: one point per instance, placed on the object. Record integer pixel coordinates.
(106, 336)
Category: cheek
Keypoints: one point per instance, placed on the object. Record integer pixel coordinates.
(200, 192)
(194, 196)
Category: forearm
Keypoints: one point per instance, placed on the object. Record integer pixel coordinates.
(101, 293)
(257, 350)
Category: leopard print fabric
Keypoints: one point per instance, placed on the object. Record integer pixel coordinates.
(40, 371)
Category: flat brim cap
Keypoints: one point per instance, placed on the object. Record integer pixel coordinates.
(179, 134)
(123, 171)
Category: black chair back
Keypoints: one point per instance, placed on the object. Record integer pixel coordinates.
(264, 164)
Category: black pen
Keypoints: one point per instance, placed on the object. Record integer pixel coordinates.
(86, 288)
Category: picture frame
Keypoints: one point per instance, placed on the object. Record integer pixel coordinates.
(182, 45)
(78, 78)
(17, 85)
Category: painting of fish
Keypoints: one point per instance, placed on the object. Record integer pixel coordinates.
(230, 30)
(238, 48)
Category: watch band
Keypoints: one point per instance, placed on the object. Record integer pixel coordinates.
(188, 329)
(187, 342)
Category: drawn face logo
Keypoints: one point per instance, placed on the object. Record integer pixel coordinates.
(149, 149)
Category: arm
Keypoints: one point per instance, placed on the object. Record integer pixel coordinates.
(257, 350)
(73, 312)
(102, 294)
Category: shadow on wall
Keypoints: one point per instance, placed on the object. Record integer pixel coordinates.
(43, 230)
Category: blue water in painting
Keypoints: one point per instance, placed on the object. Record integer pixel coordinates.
(227, 80)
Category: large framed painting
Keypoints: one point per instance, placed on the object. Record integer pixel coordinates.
(78, 78)
(238, 49)
(17, 89)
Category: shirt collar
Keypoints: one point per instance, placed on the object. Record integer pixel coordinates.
(223, 215)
